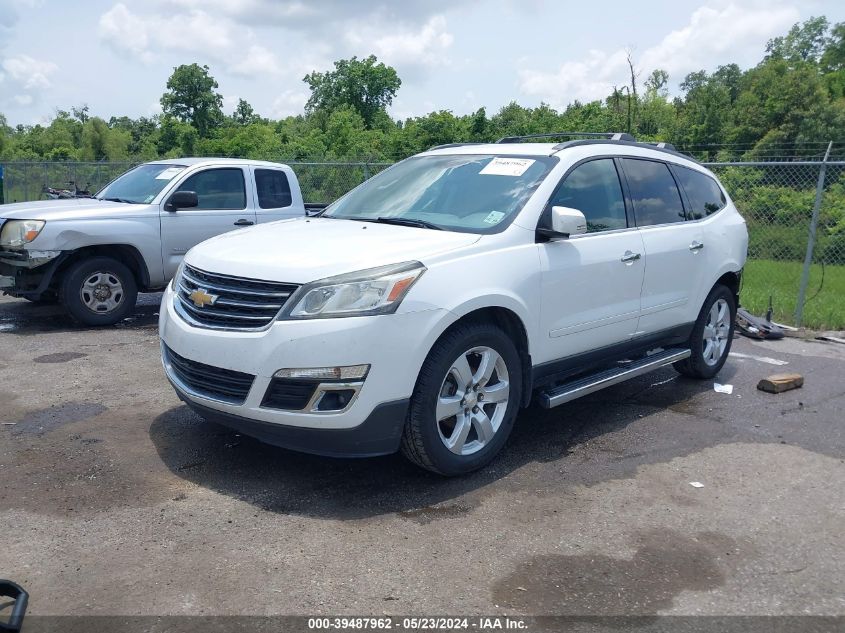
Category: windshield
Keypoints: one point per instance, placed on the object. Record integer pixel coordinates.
(140, 185)
(466, 193)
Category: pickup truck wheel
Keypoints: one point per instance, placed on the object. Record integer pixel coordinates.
(710, 342)
(99, 291)
(465, 401)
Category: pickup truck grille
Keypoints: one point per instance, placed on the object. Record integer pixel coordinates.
(233, 303)
(206, 380)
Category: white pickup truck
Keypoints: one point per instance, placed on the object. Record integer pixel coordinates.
(95, 254)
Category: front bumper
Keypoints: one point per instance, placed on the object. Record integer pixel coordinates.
(28, 273)
(379, 434)
(394, 346)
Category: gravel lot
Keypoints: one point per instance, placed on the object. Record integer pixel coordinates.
(115, 499)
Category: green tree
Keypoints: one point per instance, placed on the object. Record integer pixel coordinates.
(366, 85)
(244, 113)
(191, 98)
(804, 42)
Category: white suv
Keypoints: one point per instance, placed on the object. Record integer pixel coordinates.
(424, 308)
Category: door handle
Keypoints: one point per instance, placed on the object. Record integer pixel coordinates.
(243, 222)
(630, 257)
(696, 246)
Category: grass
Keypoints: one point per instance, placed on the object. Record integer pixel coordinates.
(781, 280)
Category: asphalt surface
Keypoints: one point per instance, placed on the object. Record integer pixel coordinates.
(115, 499)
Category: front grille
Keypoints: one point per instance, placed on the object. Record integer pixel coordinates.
(239, 303)
(206, 380)
(290, 394)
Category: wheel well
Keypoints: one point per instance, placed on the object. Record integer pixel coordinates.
(732, 281)
(510, 322)
(127, 255)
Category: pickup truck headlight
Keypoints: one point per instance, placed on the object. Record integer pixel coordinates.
(20, 232)
(373, 291)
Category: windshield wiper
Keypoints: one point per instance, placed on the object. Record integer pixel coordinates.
(124, 200)
(409, 222)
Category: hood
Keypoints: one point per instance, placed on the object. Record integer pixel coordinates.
(302, 250)
(70, 209)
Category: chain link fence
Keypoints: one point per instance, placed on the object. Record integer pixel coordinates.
(25, 180)
(795, 212)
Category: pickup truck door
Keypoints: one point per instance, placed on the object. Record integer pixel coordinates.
(224, 205)
(274, 197)
(591, 282)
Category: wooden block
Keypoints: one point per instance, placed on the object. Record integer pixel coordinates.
(777, 383)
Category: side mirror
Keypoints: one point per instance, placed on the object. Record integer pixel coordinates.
(182, 200)
(565, 222)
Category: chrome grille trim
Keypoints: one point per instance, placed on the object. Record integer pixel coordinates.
(241, 304)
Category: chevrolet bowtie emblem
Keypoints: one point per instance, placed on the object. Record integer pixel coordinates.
(202, 298)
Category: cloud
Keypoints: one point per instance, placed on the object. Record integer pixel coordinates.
(317, 15)
(258, 61)
(143, 35)
(24, 78)
(425, 46)
(29, 73)
(713, 36)
(146, 37)
(289, 103)
(733, 32)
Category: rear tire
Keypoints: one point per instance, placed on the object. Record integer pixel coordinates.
(99, 291)
(712, 335)
(466, 399)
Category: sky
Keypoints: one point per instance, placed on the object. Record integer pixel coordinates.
(455, 55)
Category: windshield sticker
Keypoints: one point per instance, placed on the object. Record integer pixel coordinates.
(494, 217)
(507, 166)
(169, 173)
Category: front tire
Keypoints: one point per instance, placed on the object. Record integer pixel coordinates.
(465, 401)
(99, 291)
(712, 335)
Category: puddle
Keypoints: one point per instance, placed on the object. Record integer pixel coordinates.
(46, 420)
(665, 564)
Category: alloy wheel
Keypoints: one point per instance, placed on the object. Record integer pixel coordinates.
(473, 400)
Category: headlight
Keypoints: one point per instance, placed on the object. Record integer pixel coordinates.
(374, 291)
(174, 283)
(20, 232)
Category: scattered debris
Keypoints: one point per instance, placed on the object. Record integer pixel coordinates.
(728, 389)
(755, 327)
(696, 484)
(762, 359)
(832, 339)
(776, 383)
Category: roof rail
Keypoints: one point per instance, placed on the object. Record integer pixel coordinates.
(613, 136)
(660, 147)
(445, 145)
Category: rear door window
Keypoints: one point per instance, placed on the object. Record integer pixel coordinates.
(704, 194)
(273, 188)
(218, 188)
(653, 191)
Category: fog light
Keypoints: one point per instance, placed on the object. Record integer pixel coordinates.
(350, 372)
(335, 400)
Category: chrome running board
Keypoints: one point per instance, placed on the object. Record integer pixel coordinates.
(581, 387)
